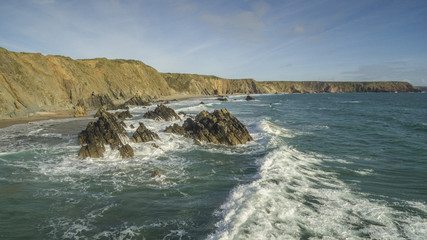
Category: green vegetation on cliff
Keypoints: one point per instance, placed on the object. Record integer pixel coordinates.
(31, 82)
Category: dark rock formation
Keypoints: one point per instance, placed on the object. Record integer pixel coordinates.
(219, 127)
(142, 134)
(175, 128)
(202, 103)
(97, 101)
(138, 101)
(223, 99)
(162, 113)
(107, 130)
(126, 151)
(249, 98)
(123, 115)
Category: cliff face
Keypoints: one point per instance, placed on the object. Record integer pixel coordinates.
(208, 85)
(31, 82)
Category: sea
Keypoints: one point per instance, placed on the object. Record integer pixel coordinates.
(321, 166)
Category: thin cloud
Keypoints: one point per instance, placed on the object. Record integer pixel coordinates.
(243, 24)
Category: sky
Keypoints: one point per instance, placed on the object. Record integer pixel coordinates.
(280, 40)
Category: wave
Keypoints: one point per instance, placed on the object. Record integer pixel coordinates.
(295, 198)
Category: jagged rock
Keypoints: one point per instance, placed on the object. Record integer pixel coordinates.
(162, 113)
(97, 101)
(155, 145)
(126, 151)
(202, 103)
(107, 130)
(155, 173)
(123, 115)
(94, 150)
(219, 127)
(132, 126)
(142, 134)
(138, 101)
(182, 113)
(249, 98)
(79, 111)
(175, 128)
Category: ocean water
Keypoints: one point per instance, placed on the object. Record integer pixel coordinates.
(322, 166)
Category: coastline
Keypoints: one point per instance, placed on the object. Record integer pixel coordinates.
(62, 114)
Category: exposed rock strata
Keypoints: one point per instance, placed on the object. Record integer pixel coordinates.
(142, 134)
(137, 101)
(123, 115)
(126, 151)
(219, 127)
(107, 130)
(162, 112)
(79, 111)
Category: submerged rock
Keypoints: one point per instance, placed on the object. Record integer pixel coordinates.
(249, 98)
(155, 173)
(142, 134)
(219, 127)
(162, 113)
(222, 99)
(106, 131)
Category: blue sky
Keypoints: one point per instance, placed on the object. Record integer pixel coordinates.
(318, 40)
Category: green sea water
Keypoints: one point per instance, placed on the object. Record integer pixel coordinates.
(322, 166)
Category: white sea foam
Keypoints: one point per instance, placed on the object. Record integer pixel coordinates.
(294, 198)
(275, 130)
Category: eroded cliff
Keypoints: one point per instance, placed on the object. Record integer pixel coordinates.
(32, 82)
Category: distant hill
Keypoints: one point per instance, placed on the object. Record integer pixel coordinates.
(31, 82)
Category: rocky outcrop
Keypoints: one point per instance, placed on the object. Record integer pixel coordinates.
(142, 134)
(123, 115)
(126, 151)
(137, 101)
(175, 128)
(249, 98)
(222, 99)
(79, 111)
(162, 112)
(219, 127)
(96, 102)
(107, 130)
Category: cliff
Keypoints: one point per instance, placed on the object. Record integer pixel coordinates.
(32, 82)
(334, 87)
(209, 85)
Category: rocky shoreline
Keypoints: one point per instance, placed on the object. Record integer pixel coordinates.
(218, 127)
